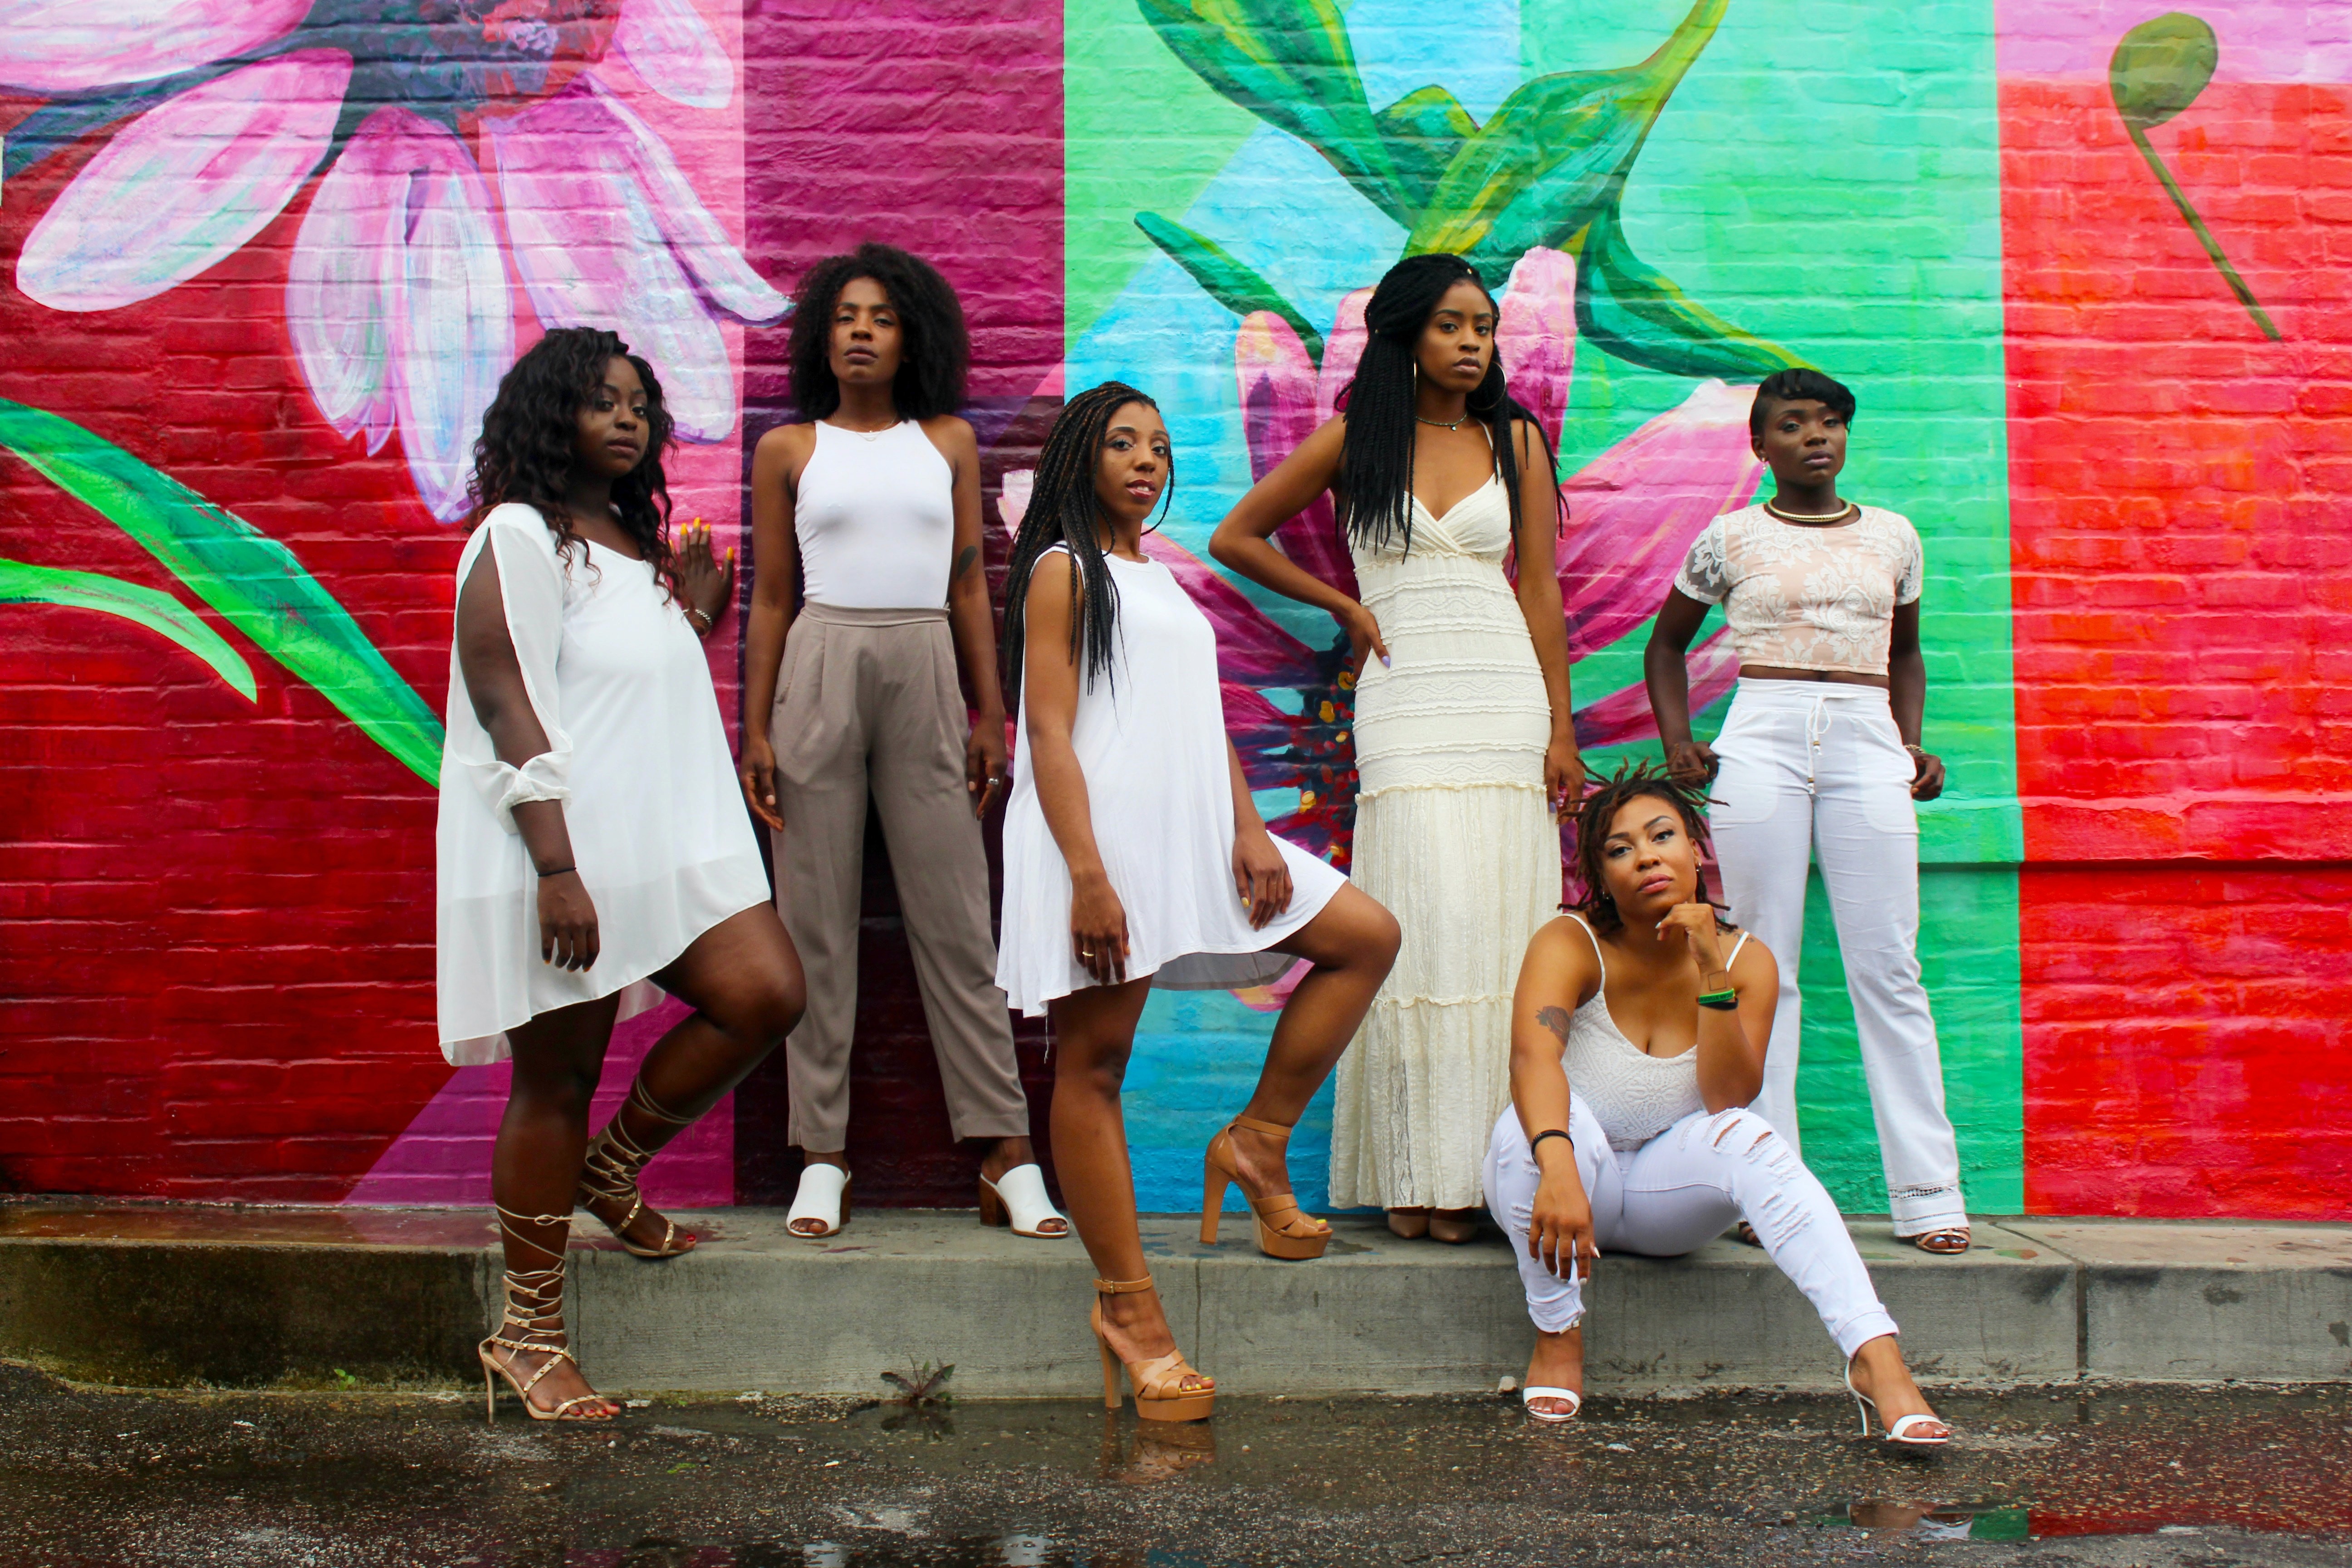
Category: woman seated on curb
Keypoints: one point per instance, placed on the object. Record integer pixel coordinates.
(1657, 1012)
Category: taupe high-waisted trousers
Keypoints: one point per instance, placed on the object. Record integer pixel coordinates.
(868, 699)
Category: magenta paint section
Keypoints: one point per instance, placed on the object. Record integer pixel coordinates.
(2260, 40)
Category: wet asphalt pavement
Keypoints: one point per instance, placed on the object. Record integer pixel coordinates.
(2121, 1476)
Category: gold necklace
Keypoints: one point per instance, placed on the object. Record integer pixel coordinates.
(1815, 518)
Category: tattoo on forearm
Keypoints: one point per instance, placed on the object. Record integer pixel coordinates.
(964, 561)
(1555, 1019)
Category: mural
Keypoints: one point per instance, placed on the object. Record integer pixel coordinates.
(262, 264)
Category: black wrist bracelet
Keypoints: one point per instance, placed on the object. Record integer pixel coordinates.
(558, 871)
(1550, 1133)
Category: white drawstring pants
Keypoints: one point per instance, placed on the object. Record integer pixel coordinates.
(1816, 769)
(1684, 1186)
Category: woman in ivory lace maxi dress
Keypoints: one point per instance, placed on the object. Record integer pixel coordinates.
(1464, 753)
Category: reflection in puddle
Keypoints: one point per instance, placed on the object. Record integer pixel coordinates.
(1018, 1550)
(1934, 1521)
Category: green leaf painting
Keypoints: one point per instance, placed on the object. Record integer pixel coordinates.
(1554, 155)
(1226, 277)
(254, 582)
(1288, 62)
(1548, 170)
(2157, 71)
(1630, 308)
(1425, 130)
(21, 583)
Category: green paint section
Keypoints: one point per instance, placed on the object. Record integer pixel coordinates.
(1845, 203)
(1140, 134)
(1969, 964)
(254, 582)
(21, 583)
(1848, 209)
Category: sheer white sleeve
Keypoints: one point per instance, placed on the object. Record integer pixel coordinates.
(531, 585)
(1706, 574)
(1913, 567)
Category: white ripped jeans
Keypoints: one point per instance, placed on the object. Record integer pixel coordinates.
(1679, 1189)
(1816, 771)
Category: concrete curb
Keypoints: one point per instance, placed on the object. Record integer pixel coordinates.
(154, 1297)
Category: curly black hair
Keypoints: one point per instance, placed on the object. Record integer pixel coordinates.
(935, 348)
(1063, 510)
(524, 453)
(1633, 781)
(1375, 488)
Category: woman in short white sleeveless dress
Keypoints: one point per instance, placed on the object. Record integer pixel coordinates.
(1134, 858)
(1465, 753)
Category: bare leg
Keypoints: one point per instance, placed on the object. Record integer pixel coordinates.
(536, 1169)
(1094, 1031)
(1352, 944)
(1878, 1371)
(744, 981)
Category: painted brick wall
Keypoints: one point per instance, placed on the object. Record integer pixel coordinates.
(216, 731)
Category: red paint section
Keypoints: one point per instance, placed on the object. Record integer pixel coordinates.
(938, 130)
(2180, 511)
(2180, 486)
(219, 960)
(2188, 1040)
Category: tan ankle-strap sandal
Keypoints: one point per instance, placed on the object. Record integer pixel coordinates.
(609, 1175)
(1160, 1391)
(533, 1323)
(1284, 1229)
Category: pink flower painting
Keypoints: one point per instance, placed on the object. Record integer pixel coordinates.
(467, 144)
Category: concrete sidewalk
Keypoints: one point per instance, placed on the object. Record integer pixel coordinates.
(252, 1298)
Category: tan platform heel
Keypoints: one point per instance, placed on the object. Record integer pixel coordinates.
(533, 1323)
(609, 1174)
(1160, 1393)
(1283, 1230)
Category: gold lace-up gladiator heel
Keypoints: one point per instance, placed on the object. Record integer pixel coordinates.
(609, 1174)
(533, 1323)
(1160, 1391)
(1283, 1230)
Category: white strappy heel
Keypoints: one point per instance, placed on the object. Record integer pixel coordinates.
(1529, 1394)
(1899, 1433)
(1018, 1198)
(823, 1196)
(533, 1321)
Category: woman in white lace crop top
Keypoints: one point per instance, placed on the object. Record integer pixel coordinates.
(1820, 758)
(1637, 1037)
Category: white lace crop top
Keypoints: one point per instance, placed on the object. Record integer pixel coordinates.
(875, 515)
(1806, 598)
(1634, 1095)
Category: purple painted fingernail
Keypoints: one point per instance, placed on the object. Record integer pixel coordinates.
(1384, 661)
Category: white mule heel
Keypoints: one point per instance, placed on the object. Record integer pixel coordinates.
(1018, 1199)
(1900, 1432)
(822, 1196)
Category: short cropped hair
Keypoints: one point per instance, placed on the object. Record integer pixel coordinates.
(1802, 385)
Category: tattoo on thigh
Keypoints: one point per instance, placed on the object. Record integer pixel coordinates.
(963, 562)
(1555, 1019)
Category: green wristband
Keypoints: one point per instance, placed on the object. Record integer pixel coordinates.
(1724, 1001)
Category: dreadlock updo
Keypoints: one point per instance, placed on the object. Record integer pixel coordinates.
(525, 450)
(933, 346)
(1375, 488)
(1631, 782)
(1063, 510)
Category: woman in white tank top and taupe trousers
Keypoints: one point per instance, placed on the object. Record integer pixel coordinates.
(876, 501)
